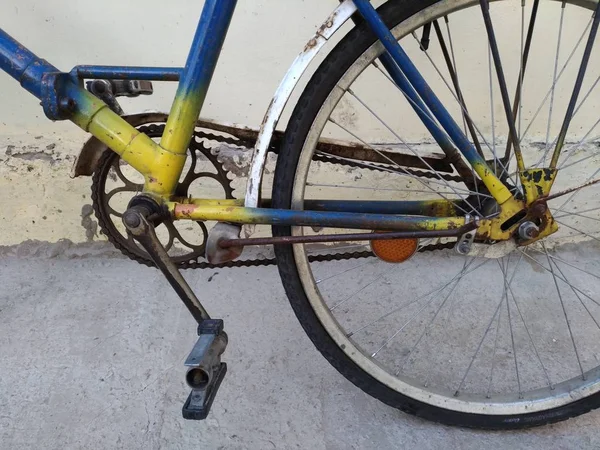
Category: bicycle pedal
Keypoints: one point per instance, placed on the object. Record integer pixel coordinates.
(205, 369)
(198, 403)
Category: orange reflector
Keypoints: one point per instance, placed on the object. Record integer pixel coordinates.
(394, 250)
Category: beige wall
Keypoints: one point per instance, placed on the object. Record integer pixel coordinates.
(260, 46)
(265, 37)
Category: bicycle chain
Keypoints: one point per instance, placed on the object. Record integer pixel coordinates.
(330, 159)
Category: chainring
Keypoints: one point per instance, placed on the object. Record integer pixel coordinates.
(111, 179)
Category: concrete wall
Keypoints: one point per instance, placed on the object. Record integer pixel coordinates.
(264, 38)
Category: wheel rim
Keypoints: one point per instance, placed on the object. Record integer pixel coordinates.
(558, 267)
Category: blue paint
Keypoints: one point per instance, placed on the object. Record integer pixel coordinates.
(417, 82)
(417, 104)
(23, 65)
(128, 73)
(206, 47)
(334, 219)
(422, 208)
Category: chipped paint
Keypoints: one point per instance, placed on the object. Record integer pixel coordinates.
(333, 23)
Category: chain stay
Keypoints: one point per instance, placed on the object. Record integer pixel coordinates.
(242, 143)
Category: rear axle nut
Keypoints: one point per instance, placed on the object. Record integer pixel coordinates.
(528, 230)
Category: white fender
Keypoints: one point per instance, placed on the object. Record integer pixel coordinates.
(333, 23)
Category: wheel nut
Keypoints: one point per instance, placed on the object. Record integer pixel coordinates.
(528, 230)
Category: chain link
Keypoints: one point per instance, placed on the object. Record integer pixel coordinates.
(330, 159)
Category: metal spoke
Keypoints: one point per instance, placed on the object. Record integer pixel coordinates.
(351, 296)
(412, 150)
(567, 213)
(454, 65)
(593, 155)
(557, 79)
(528, 332)
(461, 273)
(405, 172)
(571, 150)
(400, 167)
(319, 281)
(573, 213)
(510, 117)
(561, 279)
(578, 297)
(368, 188)
(512, 336)
(577, 88)
(559, 41)
(508, 284)
(577, 191)
(414, 316)
(420, 110)
(470, 122)
(518, 102)
(426, 328)
(456, 93)
(579, 231)
(494, 356)
(487, 330)
(562, 303)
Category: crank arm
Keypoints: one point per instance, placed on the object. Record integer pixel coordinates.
(136, 221)
(205, 369)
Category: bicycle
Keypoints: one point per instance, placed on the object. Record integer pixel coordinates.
(497, 210)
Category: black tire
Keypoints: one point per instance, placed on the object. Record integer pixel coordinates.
(332, 69)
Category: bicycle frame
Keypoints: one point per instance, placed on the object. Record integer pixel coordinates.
(63, 97)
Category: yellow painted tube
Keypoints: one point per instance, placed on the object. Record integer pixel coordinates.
(160, 168)
(201, 210)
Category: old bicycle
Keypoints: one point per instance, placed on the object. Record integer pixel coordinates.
(454, 278)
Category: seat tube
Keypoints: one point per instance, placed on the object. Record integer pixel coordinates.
(195, 80)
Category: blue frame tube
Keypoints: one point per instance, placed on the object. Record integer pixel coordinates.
(128, 73)
(418, 83)
(415, 102)
(23, 65)
(197, 74)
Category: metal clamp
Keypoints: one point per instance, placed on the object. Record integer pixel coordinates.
(109, 90)
(465, 242)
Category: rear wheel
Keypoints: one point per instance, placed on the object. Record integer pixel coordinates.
(489, 343)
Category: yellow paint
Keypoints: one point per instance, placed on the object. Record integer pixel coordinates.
(497, 189)
(199, 209)
(209, 202)
(161, 169)
(492, 228)
(224, 211)
(541, 188)
(180, 124)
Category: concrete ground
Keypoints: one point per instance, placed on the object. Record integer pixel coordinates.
(92, 349)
